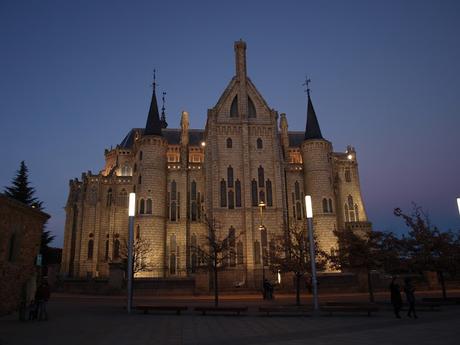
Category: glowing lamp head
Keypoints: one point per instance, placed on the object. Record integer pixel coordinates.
(458, 204)
(132, 204)
(203, 144)
(350, 156)
(262, 204)
(308, 206)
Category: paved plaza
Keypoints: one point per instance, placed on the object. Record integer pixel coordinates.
(85, 320)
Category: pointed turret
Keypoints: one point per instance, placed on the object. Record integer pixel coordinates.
(312, 130)
(154, 124)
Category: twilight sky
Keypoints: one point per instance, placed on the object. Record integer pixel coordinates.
(75, 76)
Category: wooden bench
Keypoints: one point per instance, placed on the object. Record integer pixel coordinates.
(440, 300)
(147, 308)
(419, 306)
(350, 308)
(285, 310)
(237, 310)
(424, 306)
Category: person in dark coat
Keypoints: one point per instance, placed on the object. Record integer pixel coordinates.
(41, 298)
(409, 290)
(396, 299)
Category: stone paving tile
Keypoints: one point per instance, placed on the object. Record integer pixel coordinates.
(103, 321)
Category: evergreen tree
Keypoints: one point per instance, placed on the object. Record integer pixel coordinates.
(21, 189)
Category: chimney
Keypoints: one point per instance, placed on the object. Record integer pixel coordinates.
(240, 59)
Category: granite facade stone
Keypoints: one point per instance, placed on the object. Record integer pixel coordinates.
(242, 157)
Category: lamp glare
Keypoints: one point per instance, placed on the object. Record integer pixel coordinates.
(132, 204)
(308, 206)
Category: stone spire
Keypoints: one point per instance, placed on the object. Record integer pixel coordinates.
(240, 59)
(184, 125)
(284, 133)
(164, 124)
(312, 130)
(154, 124)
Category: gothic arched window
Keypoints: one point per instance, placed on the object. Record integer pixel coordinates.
(223, 194)
(297, 190)
(261, 196)
(172, 254)
(231, 246)
(347, 175)
(109, 197)
(231, 199)
(259, 143)
(90, 249)
(193, 251)
(255, 201)
(149, 206)
(238, 193)
(230, 176)
(330, 206)
(229, 143)
(139, 179)
(123, 198)
(251, 108)
(350, 202)
(325, 206)
(142, 206)
(260, 173)
(268, 187)
(234, 107)
(138, 232)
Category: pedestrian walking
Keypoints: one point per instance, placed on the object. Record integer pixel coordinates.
(41, 298)
(409, 290)
(396, 299)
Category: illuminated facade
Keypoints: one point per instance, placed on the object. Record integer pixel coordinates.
(244, 155)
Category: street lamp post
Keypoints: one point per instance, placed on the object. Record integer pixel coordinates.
(261, 228)
(314, 283)
(131, 213)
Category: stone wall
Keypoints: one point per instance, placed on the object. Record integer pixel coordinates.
(20, 233)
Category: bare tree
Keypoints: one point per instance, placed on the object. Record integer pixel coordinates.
(428, 248)
(141, 250)
(215, 253)
(289, 253)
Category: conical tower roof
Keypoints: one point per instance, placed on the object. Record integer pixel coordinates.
(154, 124)
(312, 130)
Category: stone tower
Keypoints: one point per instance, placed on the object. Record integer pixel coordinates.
(149, 178)
(243, 168)
(317, 166)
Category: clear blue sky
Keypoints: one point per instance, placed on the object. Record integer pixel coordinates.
(75, 76)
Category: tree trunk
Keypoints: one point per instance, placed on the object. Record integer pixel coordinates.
(443, 284)
(370, 287)
(297, 291)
